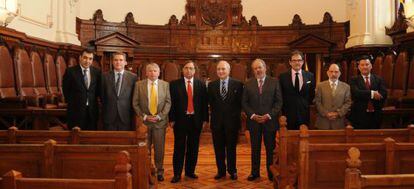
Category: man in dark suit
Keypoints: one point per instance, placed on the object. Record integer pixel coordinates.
(298, 88)
(262, 102)
(225, 103)
(368, 93)
(117, 89)
(189, 111)
(81, 88)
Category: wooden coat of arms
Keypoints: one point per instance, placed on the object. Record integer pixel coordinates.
(213, 13)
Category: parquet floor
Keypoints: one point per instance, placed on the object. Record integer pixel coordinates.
(206, 168)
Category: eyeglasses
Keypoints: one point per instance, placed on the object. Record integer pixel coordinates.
(189, 68)
(296, 60)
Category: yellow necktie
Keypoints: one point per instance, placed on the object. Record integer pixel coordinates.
(153, 100)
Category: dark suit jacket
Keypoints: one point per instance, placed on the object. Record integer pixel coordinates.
(113, 104)
(225, 110)
(270, 102)
(178, 109)
(361, 95)
(294, 102)
(76, 94)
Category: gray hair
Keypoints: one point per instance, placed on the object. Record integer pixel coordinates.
(152, 64)
(225, 63)
(260, 61)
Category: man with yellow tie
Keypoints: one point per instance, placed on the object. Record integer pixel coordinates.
(152, 102)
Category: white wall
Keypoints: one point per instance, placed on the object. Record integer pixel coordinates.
(52, 20)
(269, 12)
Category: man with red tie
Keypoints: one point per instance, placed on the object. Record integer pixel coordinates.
(368, 96)
(189, 111)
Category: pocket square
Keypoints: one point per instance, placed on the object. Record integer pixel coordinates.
(308, 82)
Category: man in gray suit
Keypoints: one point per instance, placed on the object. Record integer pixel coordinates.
(262, 102)
(117, 89)
(332, 100)
(152, 102)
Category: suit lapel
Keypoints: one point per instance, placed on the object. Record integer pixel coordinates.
(112, 81)
(305, 79)
(79, 77)
(124, 82)
(159, 92)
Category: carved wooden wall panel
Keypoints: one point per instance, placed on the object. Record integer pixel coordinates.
(211, 30)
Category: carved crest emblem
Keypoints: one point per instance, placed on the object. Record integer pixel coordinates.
(213, 13)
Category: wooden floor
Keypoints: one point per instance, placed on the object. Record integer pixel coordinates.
(206, 167)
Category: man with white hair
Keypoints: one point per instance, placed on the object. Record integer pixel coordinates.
(225, 96)
(152, 102)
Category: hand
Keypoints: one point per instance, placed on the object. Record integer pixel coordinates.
(377, 95)
(171, 124)
(332, 115)
(152, 119)
(259, 119)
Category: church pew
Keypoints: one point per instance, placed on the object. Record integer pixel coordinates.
(354, 179)
(321, 165)
(52, 160)
(121, 179)
(76, 136)
(286, 153)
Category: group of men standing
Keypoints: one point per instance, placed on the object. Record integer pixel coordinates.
(183, 104)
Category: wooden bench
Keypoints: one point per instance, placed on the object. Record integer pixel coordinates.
(52, 160)
(322, 165)
(121, 179)
(75, 136)
(285, 167)
(354, 179)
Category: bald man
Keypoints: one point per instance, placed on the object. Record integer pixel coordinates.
(332, 100)
(225, 96)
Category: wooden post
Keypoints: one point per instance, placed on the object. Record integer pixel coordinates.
(349, 134)
(9, 179)
(123, 177)
(303, 157)
(411, 133)
(141, 131)
(352, 172)
(75, 136)
(389, 155)
(11, 134)
(49, 157)
(282, 153)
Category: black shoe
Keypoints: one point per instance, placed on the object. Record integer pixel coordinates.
(191, 175)
(252, 177)
(175, 179)
(233, 176)
(160, 178)
(270, 177)
(219, 176)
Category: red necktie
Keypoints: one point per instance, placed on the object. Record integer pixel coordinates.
(370, 107)
(190, 106)
(260, 86)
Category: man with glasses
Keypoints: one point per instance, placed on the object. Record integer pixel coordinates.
(298, 89)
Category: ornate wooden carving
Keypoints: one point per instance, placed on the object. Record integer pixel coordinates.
(204, 35)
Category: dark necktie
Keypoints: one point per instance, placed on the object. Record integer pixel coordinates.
(297, 82)
(260, 86)
(370, 107)
(223, 90)
(85, 77)
(118, 84)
